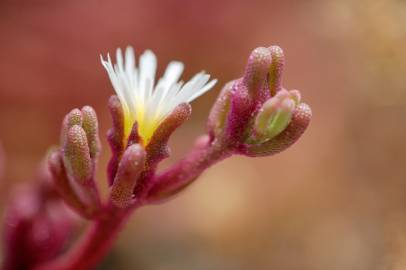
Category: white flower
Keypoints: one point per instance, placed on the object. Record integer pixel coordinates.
(143, 101)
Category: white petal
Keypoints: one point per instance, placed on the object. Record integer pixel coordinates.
(203, 90)
(192, 86)
(119, 58)
(173, 72)
(148, 64)
(129, 60)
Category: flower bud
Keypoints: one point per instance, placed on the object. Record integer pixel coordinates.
(64, 187)
(247, 94)
(115, 137)
(74, 117)
(300, 120)
(276, 69)
(256, 71)
(90, 126)
(275, 115)
(218, 114)
(241, 109)
(296, 96)
(157, 148)
(281, 119)
(117, 115)
(130, 167)
(76, 155)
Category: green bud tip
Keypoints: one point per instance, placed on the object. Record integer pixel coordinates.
(275, 114)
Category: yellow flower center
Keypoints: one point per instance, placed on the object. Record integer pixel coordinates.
(146, 127)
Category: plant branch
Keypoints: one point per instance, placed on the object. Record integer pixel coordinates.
(205, 153)
(94, 244)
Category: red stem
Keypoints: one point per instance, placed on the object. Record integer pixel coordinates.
(205, 154)
(93, 245)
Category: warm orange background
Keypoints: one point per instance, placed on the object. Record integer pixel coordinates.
(336, 200)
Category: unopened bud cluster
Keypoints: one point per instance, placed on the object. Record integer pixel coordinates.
(255, 115)
(73, 165)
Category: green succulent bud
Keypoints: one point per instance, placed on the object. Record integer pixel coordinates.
(129, 169)
(275, 115)
(90, 126)
(74, 117)
(76, 155)
(276, 69)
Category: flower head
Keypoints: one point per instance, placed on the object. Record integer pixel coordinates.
(145, 102)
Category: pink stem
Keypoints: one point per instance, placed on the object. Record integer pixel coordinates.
(205, 154)
(94, 244)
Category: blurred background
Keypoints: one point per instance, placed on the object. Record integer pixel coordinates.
(335, 200)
